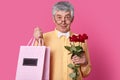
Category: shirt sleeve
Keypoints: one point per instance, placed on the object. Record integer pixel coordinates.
(86, 69)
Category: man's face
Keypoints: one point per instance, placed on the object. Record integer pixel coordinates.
(63, 21)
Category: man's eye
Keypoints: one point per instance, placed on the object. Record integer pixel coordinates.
(68, 17)
(59, 17)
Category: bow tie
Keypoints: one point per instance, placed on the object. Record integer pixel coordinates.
(63, 34)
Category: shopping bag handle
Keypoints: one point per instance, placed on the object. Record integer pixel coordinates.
(32, 41)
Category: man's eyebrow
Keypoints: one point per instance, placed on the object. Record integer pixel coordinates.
(68, 15)
(58, 15)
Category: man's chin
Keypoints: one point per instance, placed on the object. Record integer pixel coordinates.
(64, 30)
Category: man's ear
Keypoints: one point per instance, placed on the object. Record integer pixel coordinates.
(72, 19)
(54, 20)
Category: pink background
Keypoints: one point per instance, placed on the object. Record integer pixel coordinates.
(100, 19)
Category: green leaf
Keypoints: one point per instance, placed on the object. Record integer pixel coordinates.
(71, 65)
(77, 66)
(79, 54)
(73, 48)
(75, 69)
(79, 50)
(69, 53)
(73, 75)
(67, 47)
(78, 47)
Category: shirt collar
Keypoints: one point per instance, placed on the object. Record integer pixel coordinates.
(60, 34)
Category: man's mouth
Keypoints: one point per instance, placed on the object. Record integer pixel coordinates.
(63, 27)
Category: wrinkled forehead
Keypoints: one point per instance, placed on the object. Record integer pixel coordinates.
(62, 13)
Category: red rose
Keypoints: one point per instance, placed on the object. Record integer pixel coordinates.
(71, 40)
(74, 37)
(85, 36)
(81, 39)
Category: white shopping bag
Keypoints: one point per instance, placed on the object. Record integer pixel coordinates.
(33, 63)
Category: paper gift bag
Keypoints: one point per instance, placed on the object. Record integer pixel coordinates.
(33, 63)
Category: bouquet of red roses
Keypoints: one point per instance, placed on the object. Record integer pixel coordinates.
(75, 50)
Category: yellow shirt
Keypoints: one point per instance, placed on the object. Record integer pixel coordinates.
(59, 58)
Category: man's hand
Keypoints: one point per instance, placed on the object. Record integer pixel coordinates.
(37, 33)
(79, 60)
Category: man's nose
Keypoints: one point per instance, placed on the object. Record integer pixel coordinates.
(63, 19)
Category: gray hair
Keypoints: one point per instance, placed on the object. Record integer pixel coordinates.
(63, 6)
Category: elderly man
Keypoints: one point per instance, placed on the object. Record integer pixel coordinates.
(63, 14)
